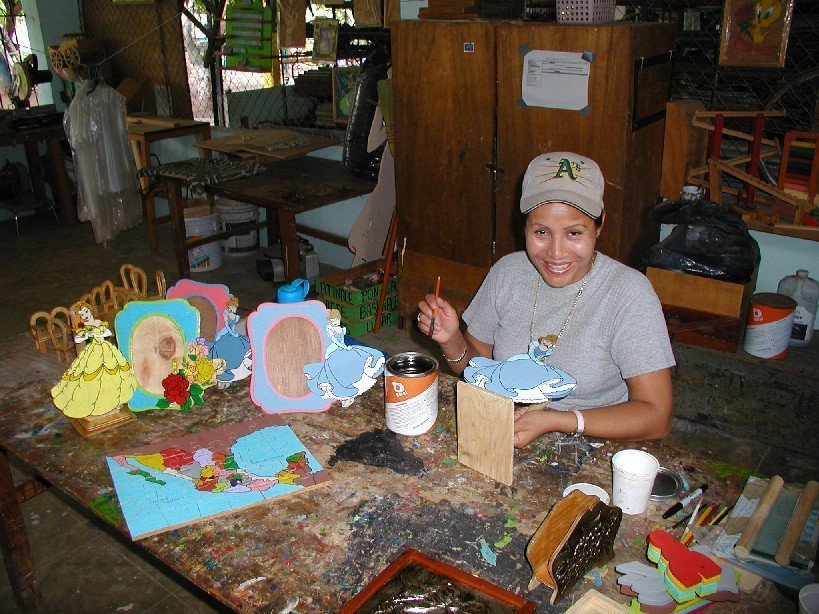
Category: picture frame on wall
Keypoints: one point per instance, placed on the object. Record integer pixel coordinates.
(344, 82)
(325, 39)
(755, 33)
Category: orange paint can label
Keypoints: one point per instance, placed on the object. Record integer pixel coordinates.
(411, 393)
(770, 320)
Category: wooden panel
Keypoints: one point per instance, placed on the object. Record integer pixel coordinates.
(486, 430)
(604, 134)
(684, 146)
(459, 282)
(699, 293)
(444, 117)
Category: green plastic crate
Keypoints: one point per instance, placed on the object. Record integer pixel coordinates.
(335, 287)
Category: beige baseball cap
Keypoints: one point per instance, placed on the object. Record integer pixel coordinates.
(563, 177)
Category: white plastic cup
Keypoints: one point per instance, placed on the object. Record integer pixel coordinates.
(809, 599)
(589, 489)
(633, 473)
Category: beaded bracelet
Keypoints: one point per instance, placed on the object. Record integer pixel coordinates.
(460, 358)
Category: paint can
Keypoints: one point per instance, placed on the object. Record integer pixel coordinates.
(770, 321)
(411, 393)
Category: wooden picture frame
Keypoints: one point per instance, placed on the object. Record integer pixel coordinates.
(210, 300)
(150, 335)
(344, 84)
(283, 338)
(481, 589)
(325, 39)
(755, 40)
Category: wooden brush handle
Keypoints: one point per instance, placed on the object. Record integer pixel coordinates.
(797, 523)
(763, 509)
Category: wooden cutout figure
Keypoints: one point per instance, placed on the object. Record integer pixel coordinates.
(151, 335)
(232, 346)
(100, 379)
(578, 534)
(347, 370)
(526, 378)
(210, 300)
(687, 573)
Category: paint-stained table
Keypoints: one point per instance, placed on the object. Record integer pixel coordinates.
(322, 545)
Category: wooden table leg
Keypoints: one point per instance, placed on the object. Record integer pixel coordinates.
(180, 247)
(64, 196)
(14, 542)
(142, 155)
(290, 242)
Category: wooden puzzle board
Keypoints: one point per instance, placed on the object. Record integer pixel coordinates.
(278, 143)
(174, 483)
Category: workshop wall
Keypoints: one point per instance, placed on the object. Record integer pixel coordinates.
(158, 59)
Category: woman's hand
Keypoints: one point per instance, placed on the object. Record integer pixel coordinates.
(529, 425)
(447, 321)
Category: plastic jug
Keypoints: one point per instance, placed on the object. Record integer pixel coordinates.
(294, 292)
(805, 291)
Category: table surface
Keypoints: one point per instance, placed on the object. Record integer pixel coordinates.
(297, 184)
(323, 545)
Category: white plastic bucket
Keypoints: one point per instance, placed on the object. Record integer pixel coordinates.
(235, 215)
(205, 257)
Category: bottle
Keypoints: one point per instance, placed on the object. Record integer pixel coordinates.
(805, 291)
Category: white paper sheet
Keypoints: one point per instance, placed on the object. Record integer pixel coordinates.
(555, 79)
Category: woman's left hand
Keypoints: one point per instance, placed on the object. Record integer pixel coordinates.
(530, 424)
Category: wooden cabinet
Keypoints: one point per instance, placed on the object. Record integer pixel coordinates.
(463, 139)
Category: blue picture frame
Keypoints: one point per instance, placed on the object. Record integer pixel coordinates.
(181, 322)
(299, 328)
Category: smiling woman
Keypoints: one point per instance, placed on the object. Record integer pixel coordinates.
(601, 320)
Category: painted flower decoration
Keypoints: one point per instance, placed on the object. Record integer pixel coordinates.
(205, 371)
(176, 389)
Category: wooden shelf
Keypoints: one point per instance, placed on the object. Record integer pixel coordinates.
(810, 233)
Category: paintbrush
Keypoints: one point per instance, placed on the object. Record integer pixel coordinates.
(435, 309)
(687, 533)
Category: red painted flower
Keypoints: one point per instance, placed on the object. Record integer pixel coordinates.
(176, 388)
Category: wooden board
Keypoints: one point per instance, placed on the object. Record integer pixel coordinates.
(596, 603)
(486, 429)
(278, 144)
(698, 293)
(684, 147)
(92, 425)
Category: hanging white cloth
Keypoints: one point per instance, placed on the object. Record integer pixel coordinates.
(107, 187)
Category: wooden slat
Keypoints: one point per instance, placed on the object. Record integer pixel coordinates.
(486, 430)
(698, 293)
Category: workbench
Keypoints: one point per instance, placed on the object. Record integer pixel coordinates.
(321, 546)
(53, 136)
(285, 189)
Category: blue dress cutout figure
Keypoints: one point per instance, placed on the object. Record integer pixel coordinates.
(526, 378)
(232, 346)
(347, 370)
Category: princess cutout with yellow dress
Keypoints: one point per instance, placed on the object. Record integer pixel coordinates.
(100, 379)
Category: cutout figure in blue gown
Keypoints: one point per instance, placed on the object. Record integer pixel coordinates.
(347, 370)
(526, 378)
(232, 346)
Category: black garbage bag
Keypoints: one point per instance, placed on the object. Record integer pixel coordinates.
(355, 156)
(706, 241)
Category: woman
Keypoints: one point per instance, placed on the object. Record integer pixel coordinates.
(608, 326)
(100, 379)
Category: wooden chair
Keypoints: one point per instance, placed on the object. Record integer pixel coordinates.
(53, 328)
(135, 281)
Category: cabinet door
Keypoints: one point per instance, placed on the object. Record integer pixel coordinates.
(444, 126)
(603, 131)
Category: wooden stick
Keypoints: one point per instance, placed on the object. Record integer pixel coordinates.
(435, 309)
(385, 281)
(799, 518)
(746, 541)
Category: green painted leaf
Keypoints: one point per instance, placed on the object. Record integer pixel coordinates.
(196, 390)
(198, 400)
(163, 403)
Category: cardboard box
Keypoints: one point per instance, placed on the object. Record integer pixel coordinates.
(353, 286)
(701, 311)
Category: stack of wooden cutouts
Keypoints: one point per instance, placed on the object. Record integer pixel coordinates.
(577, 535)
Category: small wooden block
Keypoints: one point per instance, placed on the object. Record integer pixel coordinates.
(486, 430)
(596, 603)
(92, 425)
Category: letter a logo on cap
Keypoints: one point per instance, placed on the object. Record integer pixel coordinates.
(565, 167)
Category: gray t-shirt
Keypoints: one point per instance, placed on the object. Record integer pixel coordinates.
(617, 329)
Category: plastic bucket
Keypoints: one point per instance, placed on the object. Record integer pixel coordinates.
(205, 257)
(235, 215)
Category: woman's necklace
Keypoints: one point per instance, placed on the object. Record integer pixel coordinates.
(571, 310)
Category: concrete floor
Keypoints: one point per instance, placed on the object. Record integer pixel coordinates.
(82, 567)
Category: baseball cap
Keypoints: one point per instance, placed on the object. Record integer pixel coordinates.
(563, 177)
